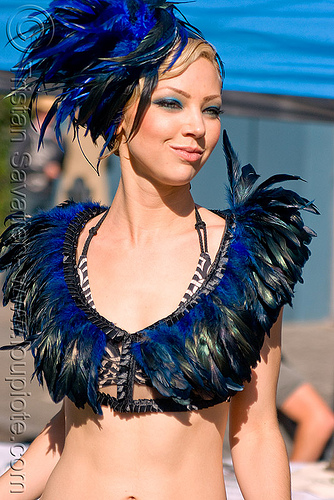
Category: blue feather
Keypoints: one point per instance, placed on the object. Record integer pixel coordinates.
(45, 297)
(93, 53)
(208, 348)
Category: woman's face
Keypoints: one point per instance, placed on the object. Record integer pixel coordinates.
(180, 128)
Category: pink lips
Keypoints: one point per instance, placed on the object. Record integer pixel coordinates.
(188, 153)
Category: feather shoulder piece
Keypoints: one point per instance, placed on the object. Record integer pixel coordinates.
(205, 349)
(211, 344)
(66, 347)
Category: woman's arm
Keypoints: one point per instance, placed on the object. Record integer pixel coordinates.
(257, 447)
(36, 464)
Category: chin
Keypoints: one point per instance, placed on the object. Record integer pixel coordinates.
(176, 181)
(183, 174)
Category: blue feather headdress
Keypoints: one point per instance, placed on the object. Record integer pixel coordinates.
(92, 53)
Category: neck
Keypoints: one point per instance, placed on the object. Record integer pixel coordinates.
(144, 208)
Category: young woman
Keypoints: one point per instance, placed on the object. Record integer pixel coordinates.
(149, 357)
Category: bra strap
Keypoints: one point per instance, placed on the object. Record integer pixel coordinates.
(92, 232)
(200, 227)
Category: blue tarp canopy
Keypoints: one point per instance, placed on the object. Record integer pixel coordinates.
(269, 46)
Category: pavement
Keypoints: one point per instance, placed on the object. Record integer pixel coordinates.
(25, 407)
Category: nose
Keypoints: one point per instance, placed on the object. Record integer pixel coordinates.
(194, 125)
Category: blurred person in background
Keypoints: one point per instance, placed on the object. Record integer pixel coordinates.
(312, 419)
(79, 184)
(43, 165)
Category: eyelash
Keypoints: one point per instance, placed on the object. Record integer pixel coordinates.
(168, 103)
(175, 104)
(215, 112)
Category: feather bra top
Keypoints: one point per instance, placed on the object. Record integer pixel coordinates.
(199, 355)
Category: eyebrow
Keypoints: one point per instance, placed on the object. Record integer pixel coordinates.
(185, 94)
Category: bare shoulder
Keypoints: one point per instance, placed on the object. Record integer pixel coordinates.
(215, 229)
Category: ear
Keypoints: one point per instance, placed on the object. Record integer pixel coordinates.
(121, 132)
(120, 135)
(120, 127)
(124, 128)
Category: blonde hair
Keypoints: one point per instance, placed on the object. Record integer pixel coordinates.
(195, 49)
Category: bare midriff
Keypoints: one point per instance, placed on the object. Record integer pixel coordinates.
(140, 457)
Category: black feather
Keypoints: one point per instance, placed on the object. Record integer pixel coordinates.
(208, 346)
